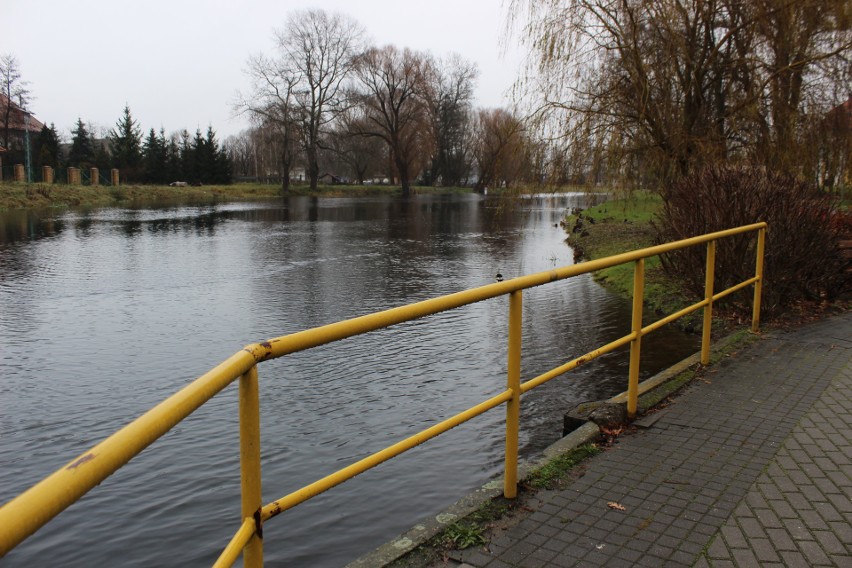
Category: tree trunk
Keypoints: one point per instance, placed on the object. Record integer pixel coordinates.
(285, 179)
(313, 168)
(402, 168)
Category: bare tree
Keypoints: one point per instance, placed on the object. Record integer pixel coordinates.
(319, 48)
(361, 154)
(393, 84)
(241, 152)
(13, 90)
(448, 92)
(272, 104)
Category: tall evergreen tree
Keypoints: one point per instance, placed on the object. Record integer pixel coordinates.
(82, 153)
(47, 148)
(103, 159)
(173, 163)
(126, 141)
(187, 157)
(154, 159)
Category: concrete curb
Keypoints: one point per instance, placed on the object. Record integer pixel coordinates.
(434, 525)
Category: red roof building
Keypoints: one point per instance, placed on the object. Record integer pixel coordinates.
(19, 121)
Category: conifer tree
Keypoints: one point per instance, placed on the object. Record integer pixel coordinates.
(173, 164)
(224, 166)
(187, 157)
(126, 141)
(103, 159)
(154, 158)
(82, 153)
(48, 152)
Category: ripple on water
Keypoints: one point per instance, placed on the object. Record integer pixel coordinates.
(105, 313)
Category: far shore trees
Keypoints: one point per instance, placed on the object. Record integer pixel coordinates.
(300, 89)
(362, 154)
(272, 106)
(331, 104)
(448, 93)
(392, 80)
(499, 148)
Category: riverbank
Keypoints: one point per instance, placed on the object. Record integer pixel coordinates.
(622, 225)
(37, 195)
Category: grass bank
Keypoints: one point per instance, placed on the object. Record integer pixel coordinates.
(35, 195)
(622, 225)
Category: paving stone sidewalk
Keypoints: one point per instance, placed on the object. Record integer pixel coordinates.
(750, 467)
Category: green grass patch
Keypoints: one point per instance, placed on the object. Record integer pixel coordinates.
(464, 534)
(640, 207)
(623, 225)
(36, 195)
(555, 470)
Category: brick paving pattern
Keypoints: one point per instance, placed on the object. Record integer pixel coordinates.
(750, 467)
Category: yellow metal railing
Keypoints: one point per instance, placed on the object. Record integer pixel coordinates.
(22, 516)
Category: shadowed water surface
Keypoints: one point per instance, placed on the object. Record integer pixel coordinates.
(105, 313)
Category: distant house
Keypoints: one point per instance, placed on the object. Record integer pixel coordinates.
(331, 179)
(14, 123)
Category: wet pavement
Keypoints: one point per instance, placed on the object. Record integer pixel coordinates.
(750, 466)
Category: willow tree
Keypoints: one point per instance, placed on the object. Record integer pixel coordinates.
(499, 148)
(665, 86)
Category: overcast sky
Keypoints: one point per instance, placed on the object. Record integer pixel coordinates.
(179, 63)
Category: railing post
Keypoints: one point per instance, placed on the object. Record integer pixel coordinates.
(513, 407)
(709, 275)
(250, 464)
(636, 343)
(758, 272)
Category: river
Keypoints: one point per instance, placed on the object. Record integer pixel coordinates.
(106, 312)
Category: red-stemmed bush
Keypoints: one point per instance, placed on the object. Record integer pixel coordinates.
(803, 260)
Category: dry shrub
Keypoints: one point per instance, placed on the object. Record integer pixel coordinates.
(803, 260)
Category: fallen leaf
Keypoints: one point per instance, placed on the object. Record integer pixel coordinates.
(616, 506)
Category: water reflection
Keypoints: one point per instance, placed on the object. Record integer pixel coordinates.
(127, 305)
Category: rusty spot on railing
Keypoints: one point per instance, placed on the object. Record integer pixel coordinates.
(268, 346)
(80, 461)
